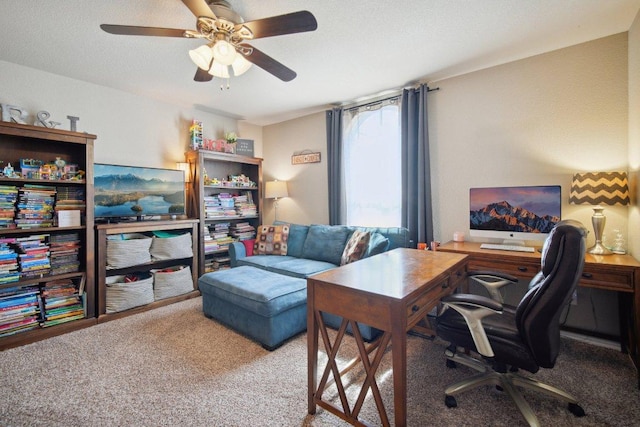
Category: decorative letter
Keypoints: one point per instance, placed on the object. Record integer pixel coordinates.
(9, 114)
(41, 120)
(73, 121)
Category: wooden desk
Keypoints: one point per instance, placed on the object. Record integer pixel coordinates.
(620, 273)
(392, 291)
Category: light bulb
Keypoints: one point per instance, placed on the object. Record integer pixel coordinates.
(224, 52)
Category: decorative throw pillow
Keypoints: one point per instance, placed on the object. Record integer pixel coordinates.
(248, 246)
(377, 244)
(271, 240)
(356, 247)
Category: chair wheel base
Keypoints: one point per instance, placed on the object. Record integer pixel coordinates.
(451, 364)
(450, 401)
(576, 410)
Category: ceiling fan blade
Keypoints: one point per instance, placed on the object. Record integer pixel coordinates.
(202, 76)
(296, 22)
(199, 8)
(269, 64)
(131, 30)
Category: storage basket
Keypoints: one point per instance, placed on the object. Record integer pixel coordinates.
(123, 295)
(125, 250)
(171, 282)
(171, 246)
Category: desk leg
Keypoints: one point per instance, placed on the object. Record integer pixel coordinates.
(312, 349)
(399, 360)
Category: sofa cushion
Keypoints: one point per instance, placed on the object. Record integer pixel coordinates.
(300, 267)
(356, 247)
(256, 290)
(377, 244)
(297, 236)
(263, 261)
(325, 243)
(271, 240)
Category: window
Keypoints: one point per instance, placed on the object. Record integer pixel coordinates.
(372, 165)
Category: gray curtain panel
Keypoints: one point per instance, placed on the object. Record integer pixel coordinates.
(417, 213)
(334, 162)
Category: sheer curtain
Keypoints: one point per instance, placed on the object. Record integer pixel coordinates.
(371, 164)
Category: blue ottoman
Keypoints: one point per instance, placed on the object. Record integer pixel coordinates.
(267, 307)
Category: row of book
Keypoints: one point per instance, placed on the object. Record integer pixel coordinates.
(34, 206)
(38, 255)
(226, 205)
(30, 307)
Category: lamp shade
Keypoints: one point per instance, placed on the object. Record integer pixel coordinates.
(276, 189)
(219, 70)
(224, 52)
(202, 56)
(240, 65)
(600, 188)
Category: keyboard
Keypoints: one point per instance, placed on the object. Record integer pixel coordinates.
(513, 248)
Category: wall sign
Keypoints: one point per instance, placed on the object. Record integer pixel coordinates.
(16, 114)
(300, 159)
(244, 147)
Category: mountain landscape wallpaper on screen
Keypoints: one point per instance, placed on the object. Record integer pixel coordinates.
(507, 212)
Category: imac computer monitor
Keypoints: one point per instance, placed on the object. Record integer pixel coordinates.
(514, 214)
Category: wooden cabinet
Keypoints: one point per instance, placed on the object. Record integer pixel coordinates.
(212, 174)
(103, 271)
(75, 268)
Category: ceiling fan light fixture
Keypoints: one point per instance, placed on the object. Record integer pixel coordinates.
(240, 65)
(224, 52)
(219, 70)
(202, 56)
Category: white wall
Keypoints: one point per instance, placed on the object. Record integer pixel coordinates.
(634, 136)
(307, 184)
(131, 130)
(531, 122)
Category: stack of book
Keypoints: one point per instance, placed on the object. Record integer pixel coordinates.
(64, 250)
(33, 255)
(218, 238)
(212, 208)
(62, 302)
(35, 206)
(9, 271)
(70, 199)
(19, 310)
(243, 231)
(244, 205)
(8, 197)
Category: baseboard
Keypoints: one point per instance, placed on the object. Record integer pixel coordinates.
(601, 342)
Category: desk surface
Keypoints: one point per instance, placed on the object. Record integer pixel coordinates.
(474, 248)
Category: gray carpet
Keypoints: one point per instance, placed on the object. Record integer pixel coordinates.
(174, 367)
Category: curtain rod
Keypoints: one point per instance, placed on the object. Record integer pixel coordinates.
(381, 98)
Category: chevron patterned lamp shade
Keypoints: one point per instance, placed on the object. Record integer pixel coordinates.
(599, 188)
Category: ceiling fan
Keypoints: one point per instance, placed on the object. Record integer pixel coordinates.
(226, 34)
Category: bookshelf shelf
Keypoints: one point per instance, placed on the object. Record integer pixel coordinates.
(67, 252)
(213, 230)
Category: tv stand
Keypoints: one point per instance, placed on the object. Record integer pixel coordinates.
(618, 273)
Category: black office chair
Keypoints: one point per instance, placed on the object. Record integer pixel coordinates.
(525, 337)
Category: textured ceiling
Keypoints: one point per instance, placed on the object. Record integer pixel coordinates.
(361, 47)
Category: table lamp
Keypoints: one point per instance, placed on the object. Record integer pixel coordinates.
(275, 190)
(597, 189)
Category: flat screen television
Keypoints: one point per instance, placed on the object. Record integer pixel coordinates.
(514, 214)
(134, 191)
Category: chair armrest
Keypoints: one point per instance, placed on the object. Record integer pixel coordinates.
(473, 308)
(492, 281)
(236, 251)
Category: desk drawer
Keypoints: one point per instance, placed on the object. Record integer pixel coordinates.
(418, 308)
(618, 280)
(519, 269)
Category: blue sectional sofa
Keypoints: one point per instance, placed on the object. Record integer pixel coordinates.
(315, 248)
